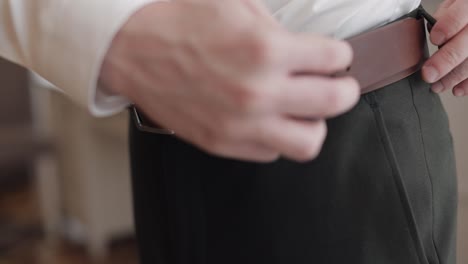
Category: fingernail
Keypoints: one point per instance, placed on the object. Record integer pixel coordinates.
(437, 87)
(431, 74)
(438, 37)
(459, 92)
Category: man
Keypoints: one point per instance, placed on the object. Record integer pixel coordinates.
(239, 89)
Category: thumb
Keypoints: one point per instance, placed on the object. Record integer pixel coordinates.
(443, 7)
(451, 19)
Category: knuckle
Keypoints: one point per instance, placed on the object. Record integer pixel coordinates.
(208, 139)
(446, 83)
(228, 129)
(215, 147)
(333, 99)
(452, 24)
(342, 95)
(338, 56)
(308, 152)
(347, 53)
(451, 55)
(463, 86)
(457, 75)
(354, 89)
(240, 94)
(332, 59)
(353, 83)
(321, 132)
(337, 97)
(247, 98)
(270, 157)
(312, 146)
(259, 49)
(274, 156)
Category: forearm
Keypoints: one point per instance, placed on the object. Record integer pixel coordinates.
(64, 41)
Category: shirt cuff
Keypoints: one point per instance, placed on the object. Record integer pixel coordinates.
(74, 46)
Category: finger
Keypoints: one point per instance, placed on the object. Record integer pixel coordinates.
(295, 139)
(461, 89)
(447, 58)
(318, 97)
(306, 53)
(222, 143)
(443, 7)
(452, 18)
(246, 151)
(458, 75)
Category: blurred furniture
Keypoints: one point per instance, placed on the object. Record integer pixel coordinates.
(19, 142)
(23, 146)
(92, 200)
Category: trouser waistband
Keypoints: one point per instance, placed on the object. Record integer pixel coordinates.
(389, 53)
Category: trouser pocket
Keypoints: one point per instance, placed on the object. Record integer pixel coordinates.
(381, 191)
(414, 133)
(397, 178)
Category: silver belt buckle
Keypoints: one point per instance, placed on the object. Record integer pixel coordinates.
(140, 124)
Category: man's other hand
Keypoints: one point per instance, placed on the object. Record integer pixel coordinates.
(225, 77)
(448, 67)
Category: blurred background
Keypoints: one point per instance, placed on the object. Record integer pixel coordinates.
(65, 183)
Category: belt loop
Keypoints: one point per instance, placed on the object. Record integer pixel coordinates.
(431, 21)
(429, 18)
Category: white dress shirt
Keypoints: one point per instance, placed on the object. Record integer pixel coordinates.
(65, 41)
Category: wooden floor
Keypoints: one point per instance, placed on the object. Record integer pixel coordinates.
(39, 253)
(21, 240)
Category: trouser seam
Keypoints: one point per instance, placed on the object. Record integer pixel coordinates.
(396, 173)
(426, 163)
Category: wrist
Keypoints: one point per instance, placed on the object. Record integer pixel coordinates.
(132, 37)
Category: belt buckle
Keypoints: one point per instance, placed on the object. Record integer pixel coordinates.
(141, 125)
(140, 122)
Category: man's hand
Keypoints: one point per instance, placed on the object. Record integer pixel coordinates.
(448, 68)
(226, 77)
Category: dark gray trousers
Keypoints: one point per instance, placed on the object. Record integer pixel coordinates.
(382, 191)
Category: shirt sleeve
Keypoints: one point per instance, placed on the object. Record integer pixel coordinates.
(65, 42)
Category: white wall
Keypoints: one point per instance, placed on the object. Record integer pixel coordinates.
(457, 108)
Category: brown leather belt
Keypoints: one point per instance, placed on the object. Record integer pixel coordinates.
(388, 54)
(381, 57)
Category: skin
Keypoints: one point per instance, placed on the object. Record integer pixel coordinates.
(222, 75)
(447, 69)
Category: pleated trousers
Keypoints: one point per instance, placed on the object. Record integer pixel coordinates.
(383, 191)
